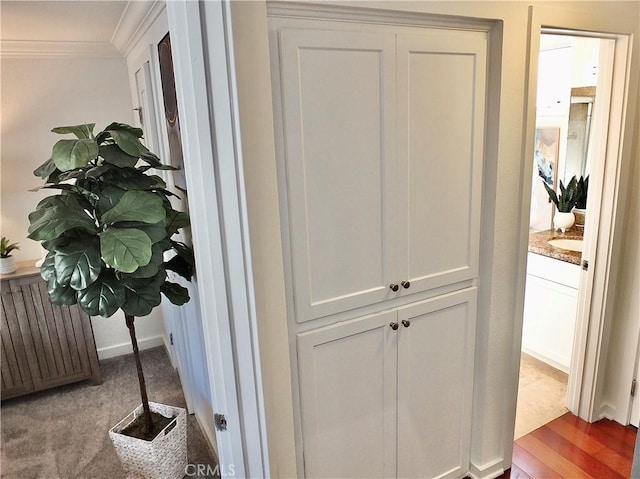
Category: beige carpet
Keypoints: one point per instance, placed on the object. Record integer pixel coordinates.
(542, 394)
(63, 433)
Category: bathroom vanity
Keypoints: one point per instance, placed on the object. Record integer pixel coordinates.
(551, 298)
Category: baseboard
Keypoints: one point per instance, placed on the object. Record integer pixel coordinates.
(125, 348)
(607, 411)
(209, 435)
(489, 470)
(547, 359)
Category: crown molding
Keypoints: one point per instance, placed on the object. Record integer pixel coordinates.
(54, 49)
(136, 19)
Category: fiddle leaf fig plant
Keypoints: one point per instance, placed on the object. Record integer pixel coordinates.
(108, 228)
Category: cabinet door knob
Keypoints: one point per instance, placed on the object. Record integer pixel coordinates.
(406, 323)
(394, 287)
(406, 284)
(394, 326)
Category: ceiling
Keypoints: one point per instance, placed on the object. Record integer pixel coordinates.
(60, 21)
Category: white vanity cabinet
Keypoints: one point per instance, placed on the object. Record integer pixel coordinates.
(550, 306)
(380, 142)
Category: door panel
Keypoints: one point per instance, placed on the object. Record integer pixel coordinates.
(338, 91)
(435, 384)
(348, 397)
(441, 98)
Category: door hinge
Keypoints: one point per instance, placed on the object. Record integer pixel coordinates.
(220, 421)
(171, 339)
(585, 265)
(633, 387)
(140, 117)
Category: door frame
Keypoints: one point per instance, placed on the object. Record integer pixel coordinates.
(591, 342)
(203, 57)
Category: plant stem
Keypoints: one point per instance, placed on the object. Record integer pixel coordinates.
(143, 388)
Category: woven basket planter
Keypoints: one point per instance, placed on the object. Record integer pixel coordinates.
(165, 457)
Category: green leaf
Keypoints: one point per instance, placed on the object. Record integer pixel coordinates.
(125, 249)
(175, 293)
(72, 201)
(48, 269)
(6, 248)
(552, 194)
(128, 142)
(109, 196)
(156, 232)
(60, 294)
(181, 266)
(45, 169)
(70, 154)
(183, 251)
(103, 297)
(71, 188)
(142, 295)
(115, 126)
(152, 268)
(136, 205)
(176, 220)
(50, 223)
(134, 179)
(81, 131)
(114, 155)
(151, 159)
(143, 182)
(78, 264)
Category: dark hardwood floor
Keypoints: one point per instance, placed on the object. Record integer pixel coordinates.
(571, 448)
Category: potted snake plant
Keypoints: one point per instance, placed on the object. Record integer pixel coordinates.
(565, 201)
(108, 234)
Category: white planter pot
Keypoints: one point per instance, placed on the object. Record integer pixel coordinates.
(7, 265)
(563, 221)
(165, 457)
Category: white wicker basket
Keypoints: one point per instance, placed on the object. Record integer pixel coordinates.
(163, 458)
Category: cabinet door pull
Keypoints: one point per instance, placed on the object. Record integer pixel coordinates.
(406, 284)
(394, 326)
(394, 287)
(406, 323)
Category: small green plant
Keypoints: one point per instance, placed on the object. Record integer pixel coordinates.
(6, 248)
(582, 188)
(567, 198)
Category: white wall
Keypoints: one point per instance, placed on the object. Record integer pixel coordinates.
(498, 334)
(38, 94)
(626, 321)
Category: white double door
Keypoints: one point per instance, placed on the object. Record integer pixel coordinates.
(383, 402)
(382, 136)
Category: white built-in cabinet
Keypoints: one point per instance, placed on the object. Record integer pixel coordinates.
(380, 139)
(389, 394)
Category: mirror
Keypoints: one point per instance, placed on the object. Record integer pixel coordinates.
(567, 78)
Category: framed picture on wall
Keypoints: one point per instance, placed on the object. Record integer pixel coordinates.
(172, 119)
(545, 163)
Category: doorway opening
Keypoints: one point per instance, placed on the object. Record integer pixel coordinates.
(572, 114)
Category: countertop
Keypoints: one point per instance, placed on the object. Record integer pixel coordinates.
(538, 244)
